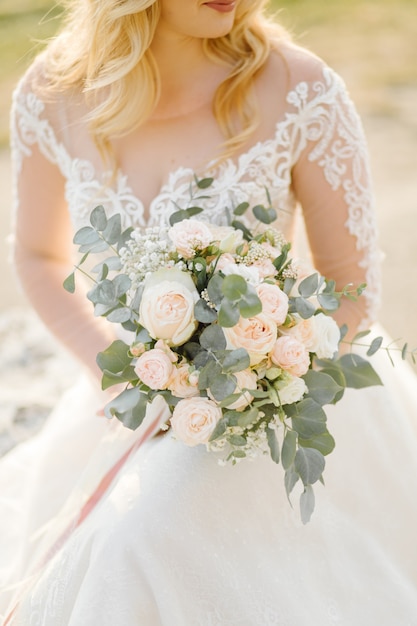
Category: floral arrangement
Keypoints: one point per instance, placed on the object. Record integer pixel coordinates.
(228, 330)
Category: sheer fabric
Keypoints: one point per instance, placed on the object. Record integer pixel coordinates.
(178, 539)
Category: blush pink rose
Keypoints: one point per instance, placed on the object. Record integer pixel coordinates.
(256, 334)
(154, 368)
(291, 355)
(194, 420)
(246, 379)
(181, 384)
(189, 236)
(265, 268)
(274, 302)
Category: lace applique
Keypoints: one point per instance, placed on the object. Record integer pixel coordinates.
(322, 113)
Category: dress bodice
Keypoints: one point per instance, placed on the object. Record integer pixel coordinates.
(319, 132)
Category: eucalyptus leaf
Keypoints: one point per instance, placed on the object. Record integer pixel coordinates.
(220, 429)
(375, 346)
(324, 443)
(114, 358)
(248, 417)
(86, 235)
(358, 372)
(210, 370)
(113, 230)
(103, 293)
(122, 284)
(321, 387)
(113, 263)
(69, 283)
(308, 286)
(264, 215)
(193, 210)
(291, 478)
(228, 313)
(303, 307)
(273, 444)
(214, 288)
(307, 503)
(99, 246)
(212, 338)
(309, 464)
(203, 313)
(237, 440)
(327, 302)
(236, 361)
(233, 287)
(98, 218)
(289, 447)
(222, 386)
(178, 216)
(245, 231)
(120, 315)
(250, 304)
(241, 208)
(308, 418)
(204, 183)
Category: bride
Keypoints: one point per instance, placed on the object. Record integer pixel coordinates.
(124, 106)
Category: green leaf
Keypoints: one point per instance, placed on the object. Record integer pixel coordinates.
(228, 313)
(69, 283)
(212, 338)
(120, 315)
(222, 386)
(290, 480)
(240, 226)
(327, 302)
(361, 335)
(282, 258)
(289, 449)
(220, 429)
(234, 286)
(98, 218)
(210, 370)
(203, 313)
(113, 230)
(404, 351)
(308, 286)
(86, 235)
(321, 387)
(99, 246)
(358, 372)
(307, 503)
(324, 443)
(308, 418)
(249, 304)
(304, 308)
(266, 216)
(273, 444)
(204, 183)
(115, 358)
(237, 440)
(236, 361)
(248, 417)
(214, 288)
(103, 293)
(375, 346)
(309, 465)
(113, 263)
(241, 208)
(178, 216)
(121, 284)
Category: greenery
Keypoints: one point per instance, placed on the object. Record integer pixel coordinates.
(371, 43)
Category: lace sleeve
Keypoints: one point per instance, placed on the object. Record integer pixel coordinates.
(42, 231)
(332, 182)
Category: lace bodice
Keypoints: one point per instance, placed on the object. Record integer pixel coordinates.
(317, 156)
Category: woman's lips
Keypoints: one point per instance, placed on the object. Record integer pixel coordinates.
(222, 7)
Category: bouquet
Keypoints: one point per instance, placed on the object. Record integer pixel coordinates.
(228, 330)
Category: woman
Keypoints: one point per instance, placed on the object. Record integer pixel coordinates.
(124, 106)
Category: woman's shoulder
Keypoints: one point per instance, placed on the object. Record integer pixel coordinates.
(296, 66)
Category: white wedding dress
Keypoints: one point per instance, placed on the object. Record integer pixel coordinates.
(176, 539)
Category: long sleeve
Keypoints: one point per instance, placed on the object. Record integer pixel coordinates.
(42, 237)
(331, 181)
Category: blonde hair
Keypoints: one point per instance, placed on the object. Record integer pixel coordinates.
(104, 50)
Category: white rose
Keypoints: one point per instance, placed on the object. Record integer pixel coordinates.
(194, 420)
(291, 389)
(326, 334)
(189, 236)
(229, 238)
(249, 273)
(167, 306)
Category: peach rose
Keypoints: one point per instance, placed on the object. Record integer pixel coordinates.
(256, 334)
(303, 331)
(154, 368)
(274, 302)
(265, 267)
(246, 379)
(167, 306)
(189, 236)
(181, 384)
(290, 355)
(194, 420)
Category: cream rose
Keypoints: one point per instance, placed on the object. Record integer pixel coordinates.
(194, 420)
(228, 238)
(181, 384)
(265, 267)
(291, 389)
(189, 236)
(326, 334)
(256, 334)
(291, 355)
(303, 331)
(167, 306)
(274, 302)
(248, 272)
(246, 379)
(154, 368)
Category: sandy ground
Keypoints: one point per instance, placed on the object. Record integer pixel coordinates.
(34, 370)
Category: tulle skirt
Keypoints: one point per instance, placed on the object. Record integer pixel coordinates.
(178, 540)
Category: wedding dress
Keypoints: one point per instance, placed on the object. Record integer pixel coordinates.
(176, 539)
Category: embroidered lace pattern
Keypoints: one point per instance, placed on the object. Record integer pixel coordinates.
(320, 119)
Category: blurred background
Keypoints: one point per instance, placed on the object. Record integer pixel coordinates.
(371, 43)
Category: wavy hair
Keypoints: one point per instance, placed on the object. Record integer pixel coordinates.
(104, 50)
